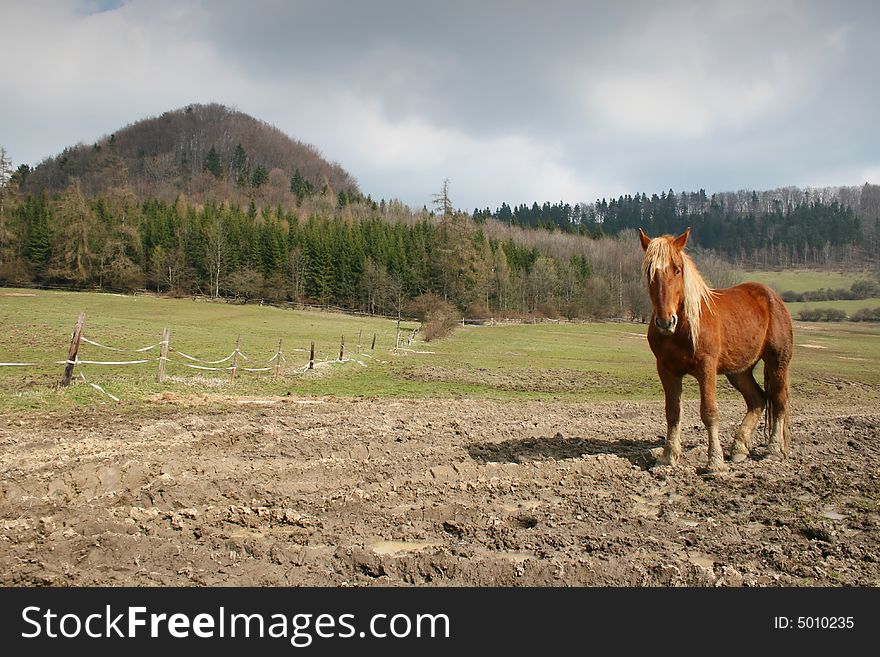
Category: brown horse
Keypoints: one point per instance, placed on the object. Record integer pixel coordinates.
(704, 332)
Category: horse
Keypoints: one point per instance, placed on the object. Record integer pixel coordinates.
(704, 332)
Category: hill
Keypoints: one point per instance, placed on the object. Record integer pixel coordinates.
(203, 151)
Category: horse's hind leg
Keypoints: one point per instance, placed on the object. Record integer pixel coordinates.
(755, 402)
(776, 383)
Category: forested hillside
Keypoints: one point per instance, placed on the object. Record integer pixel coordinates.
(782, 227)
(343, 251)
(207, 200)
(203, 151)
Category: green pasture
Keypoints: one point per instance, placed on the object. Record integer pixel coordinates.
(37, 327)
(805, 280)
(579, 362)
(849, 306)
(810, 280)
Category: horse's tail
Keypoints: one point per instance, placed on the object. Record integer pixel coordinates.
(773, 386)
(777, 360)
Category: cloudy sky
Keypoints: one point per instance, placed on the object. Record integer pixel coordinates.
(512, 101)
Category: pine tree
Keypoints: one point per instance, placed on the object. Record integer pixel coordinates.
(272, 248)
(259, 177)
(301, 187)
(213, 164)
(240, 166)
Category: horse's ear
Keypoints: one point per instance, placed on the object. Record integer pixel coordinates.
(682, 239)
(644, 239)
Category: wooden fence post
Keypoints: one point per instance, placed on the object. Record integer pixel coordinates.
(74, 348)
(359, 340)
(163, 355)
(312, 356)
(278, 356)
(235, 357)
(342, 347)
(373, 346)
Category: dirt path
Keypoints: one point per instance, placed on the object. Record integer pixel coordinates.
(444, 492)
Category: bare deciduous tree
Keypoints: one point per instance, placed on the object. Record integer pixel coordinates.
(442, 202)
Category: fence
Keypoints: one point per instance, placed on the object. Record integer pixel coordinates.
(232, 363)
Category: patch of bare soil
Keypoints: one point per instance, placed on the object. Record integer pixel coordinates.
(431, 492)
(554, 380)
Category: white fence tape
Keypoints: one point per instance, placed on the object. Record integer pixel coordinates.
(134, 351)
(206, 362)
(97, 387)
(104, 362)
(279, 357)
(202, 367)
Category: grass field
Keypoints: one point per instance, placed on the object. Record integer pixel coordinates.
(519, 361)
(849, 306)
(806, 280)
(38, 324)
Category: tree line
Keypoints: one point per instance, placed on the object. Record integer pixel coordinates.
(340, 250)
(785, 227)
(310, 245)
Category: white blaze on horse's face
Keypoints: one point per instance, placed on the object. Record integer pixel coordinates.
(667, 296)
(664, 270)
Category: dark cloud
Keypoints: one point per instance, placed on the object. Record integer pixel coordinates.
(514, 101)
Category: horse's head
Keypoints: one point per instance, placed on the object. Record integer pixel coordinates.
(664, 271)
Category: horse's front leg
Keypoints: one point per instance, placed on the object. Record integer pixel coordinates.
(710, 416)
(672, 390)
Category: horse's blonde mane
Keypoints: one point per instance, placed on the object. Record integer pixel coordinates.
(658, 256)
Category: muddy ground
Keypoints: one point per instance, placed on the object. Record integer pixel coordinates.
(211, 490)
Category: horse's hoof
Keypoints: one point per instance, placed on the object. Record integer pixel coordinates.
(666, 460)
(713, 469)
(738, 457)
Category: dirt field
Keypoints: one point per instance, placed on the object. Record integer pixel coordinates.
(206, 490)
